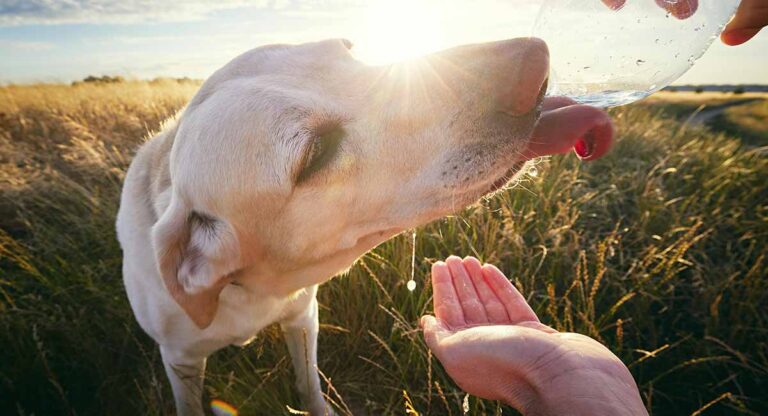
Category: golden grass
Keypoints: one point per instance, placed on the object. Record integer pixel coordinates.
(747, 121)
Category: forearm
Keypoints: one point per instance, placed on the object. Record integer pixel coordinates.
(581, 393)
(587, 407)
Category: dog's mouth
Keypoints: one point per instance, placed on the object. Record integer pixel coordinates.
(503, 180)
(509, 174)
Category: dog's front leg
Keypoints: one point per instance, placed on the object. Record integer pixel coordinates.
(300, 332)
(186, 374)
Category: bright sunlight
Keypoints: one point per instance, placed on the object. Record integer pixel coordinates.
(398, 30)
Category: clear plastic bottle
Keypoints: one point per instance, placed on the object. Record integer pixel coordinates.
(611, 56)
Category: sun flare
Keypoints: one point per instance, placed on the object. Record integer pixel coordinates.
(398, 30)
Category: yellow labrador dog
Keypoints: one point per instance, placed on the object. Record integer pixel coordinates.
(293, 161)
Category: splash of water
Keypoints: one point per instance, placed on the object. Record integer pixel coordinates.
(411, 285)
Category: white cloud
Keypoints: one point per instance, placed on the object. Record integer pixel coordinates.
(23, 45)
(25, 12)
(22, 12)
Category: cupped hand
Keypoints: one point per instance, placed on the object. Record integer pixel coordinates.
(493, 345)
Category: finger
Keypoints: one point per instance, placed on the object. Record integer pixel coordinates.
(614, 4)
(553, 103)
(537, 326)
(494, 310)
(447, 306)
(681, 9)
(434, 331)
(474, 312)
(513, 301)
(751, 16)
(738, 36)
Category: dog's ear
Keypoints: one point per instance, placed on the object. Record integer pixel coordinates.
(196, 254)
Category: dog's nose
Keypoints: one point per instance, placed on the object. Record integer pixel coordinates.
(523, 70)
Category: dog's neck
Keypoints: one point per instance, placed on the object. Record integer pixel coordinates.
(261, 279)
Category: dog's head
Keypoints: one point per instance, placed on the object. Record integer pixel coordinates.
(292, 161)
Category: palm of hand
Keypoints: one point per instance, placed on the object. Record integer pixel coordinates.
(492, 344)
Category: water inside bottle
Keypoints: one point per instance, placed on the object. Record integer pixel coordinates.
(607, 57)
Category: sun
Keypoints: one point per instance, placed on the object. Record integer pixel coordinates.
(398, 30)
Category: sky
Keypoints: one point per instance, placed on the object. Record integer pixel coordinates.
(66, 40)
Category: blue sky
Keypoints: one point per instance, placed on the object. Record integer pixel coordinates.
(65, 40)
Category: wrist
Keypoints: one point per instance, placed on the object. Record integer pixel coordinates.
(522, 393)
(587, 392)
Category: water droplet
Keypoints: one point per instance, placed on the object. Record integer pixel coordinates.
(411, 285)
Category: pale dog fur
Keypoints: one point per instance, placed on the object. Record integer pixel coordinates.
(213, 198)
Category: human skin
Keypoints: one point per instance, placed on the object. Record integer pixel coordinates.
(682, 9)
(751, 17)
(493, 345)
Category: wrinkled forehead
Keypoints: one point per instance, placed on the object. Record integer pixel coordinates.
(288, 61)
(246, 137)
(239, 140)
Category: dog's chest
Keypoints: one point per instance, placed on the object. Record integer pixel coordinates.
(241, 315)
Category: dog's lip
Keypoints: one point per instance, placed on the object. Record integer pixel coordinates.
(503, 180)
(537, 108)
(536, 111)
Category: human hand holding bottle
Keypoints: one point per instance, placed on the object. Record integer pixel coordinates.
(750, 18)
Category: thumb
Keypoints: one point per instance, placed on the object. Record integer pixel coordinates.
(434, 331)
(750, 18)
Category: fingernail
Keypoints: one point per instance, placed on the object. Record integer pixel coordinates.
(615, 4)
(583, 148)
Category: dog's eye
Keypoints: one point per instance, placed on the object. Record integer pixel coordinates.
(321, 151)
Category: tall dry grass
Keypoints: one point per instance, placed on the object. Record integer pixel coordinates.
(746, 121)
(658, 250)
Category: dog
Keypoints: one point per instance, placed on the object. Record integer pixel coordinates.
(292, 161)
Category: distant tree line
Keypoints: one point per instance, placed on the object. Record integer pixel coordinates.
(106, 79)
(735, 89)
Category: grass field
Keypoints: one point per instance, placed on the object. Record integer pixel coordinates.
(658, 250)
